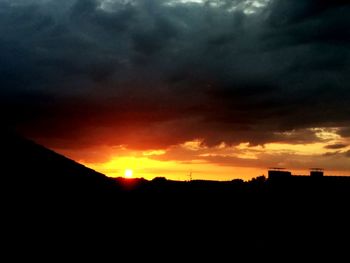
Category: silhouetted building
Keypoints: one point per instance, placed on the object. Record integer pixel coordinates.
(316, 172)
(276, 173)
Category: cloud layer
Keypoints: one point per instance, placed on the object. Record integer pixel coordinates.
(150, 74)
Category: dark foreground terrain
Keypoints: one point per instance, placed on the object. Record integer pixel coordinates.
(54, 205)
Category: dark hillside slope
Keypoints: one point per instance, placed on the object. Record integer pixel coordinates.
(29, 169)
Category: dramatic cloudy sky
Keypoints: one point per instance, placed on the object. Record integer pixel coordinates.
(225, 88)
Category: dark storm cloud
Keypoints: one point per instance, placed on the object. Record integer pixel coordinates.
(336, 146)
(345, 132)
(152, 74)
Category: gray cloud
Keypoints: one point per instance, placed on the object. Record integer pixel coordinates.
(158, 75)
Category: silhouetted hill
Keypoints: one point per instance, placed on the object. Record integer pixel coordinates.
(29, 169)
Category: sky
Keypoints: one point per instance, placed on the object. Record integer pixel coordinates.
(208, 89)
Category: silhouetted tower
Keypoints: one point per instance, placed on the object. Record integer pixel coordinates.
(190, 175)
(316, 172)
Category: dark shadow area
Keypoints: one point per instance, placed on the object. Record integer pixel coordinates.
(48, 197)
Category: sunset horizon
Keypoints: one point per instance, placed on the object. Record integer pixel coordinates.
(217, 89)
(150, 164)
(217, 130)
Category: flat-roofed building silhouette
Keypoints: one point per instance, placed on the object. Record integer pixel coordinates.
(316, 172)
(277, 172)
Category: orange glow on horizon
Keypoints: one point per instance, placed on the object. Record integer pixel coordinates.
(144, 167)
(221, 163)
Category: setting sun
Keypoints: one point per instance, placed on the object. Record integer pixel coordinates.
(128, 173)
